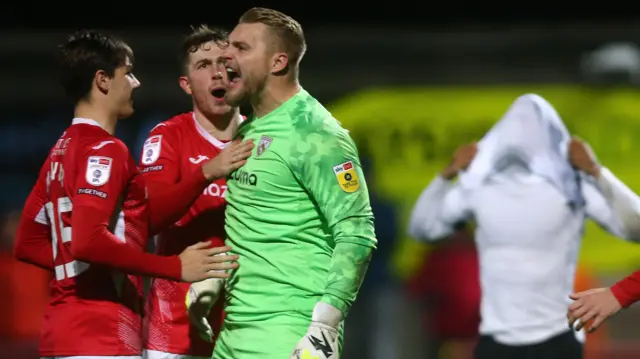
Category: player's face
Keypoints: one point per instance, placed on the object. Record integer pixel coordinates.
(122, 86)
(248, 61)
(207, 78)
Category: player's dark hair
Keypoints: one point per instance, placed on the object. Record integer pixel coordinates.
(288, 32)
(199, 36)
(83, 54)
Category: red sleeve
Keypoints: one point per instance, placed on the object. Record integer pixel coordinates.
(171, 192)
(33, 238)
(627, 290)
(93, 209)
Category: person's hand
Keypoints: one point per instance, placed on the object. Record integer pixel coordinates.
(321, 339)
(200, 262)
(461, 160)
(199, 300)
(582, 157)
(230, 159)
(320, 342)
(595, 305)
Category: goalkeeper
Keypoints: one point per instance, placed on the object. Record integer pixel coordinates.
(298, 212)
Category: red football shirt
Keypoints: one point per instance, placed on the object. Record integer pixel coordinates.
(174, 150)
(89, 210)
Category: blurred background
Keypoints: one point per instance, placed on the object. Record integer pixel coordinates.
(411, 82)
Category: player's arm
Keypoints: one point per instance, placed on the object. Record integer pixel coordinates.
(332, 175)
(613, 205)
(335, 181)
(94, 204)
(442, 204)
(439, 208)
(171, 192)
(33, 239)
(622, 208)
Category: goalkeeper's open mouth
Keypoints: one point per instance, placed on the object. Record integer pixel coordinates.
(233, 75)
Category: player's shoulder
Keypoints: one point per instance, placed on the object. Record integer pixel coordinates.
(108, 143)
(308, 114)
(173, 124)
(99, 154)
(320, 122)
(170, 131)
(108, 148)
(91, 141)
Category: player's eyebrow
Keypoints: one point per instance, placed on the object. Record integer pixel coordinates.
(221, 60)
(203, 61)
(240, 44)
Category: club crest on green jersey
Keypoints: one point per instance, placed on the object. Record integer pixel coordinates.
(264, 143)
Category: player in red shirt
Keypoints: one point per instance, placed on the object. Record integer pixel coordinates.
(172, 151)
(88, 216)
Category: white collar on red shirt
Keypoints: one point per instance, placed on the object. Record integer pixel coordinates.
(207, 136)
(85, 121)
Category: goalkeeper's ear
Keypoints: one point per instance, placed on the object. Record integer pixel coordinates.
(280, 64)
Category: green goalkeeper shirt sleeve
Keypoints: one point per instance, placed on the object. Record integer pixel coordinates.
(348, 267)
(330, 171)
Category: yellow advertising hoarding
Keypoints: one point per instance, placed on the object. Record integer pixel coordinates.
(411, 133)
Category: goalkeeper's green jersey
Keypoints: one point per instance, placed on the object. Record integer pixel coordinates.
(301, 192)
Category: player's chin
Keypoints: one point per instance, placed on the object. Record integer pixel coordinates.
(234, 97)
(221, 109)
(126, 112)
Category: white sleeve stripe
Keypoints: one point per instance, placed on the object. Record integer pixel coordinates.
(41, 217)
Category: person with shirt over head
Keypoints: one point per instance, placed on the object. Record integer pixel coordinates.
(529, 187)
